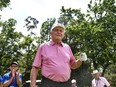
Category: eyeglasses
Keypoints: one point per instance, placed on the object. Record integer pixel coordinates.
(58, 30)
(13, 66)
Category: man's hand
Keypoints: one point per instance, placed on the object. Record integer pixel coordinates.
(13, 73)
(83, 57)
(17, 73)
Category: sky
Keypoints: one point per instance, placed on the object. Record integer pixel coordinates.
(39, 9)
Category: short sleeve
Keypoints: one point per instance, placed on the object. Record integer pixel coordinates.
(5, 78)
(1, 80)
(106, 82)
(73, 59)
(38, 57)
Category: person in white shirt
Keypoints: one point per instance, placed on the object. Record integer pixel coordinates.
(73, 83)
(99, 81)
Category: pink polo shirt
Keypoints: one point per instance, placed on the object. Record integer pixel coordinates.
(55, 61)
(100, 83)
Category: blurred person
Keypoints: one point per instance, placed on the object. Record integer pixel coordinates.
(99, 81)
(1, 80)
(13, 78)
(73, 81)
(55, 59)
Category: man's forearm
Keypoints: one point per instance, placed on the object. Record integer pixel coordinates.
(19, 81)
(33, 76)
(7, 83)
(77, 64)
(1, 84)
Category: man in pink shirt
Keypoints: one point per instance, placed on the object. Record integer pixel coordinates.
(55, 59)
(99, 81)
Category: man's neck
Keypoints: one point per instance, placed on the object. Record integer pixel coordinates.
(57, 42)
(97, 78)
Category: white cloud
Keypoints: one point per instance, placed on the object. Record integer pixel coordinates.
(39, 9)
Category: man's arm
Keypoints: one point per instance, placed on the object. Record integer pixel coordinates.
(83, 57)
(7, 83)
(106, 82)
(77, 64)
(1, 84)
(19, 79)
(33, 76)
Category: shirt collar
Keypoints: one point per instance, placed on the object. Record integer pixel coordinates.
(53, 43)
(98, 78)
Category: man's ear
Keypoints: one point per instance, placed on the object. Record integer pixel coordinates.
(17, 68)
(50, 32)
(10, 67)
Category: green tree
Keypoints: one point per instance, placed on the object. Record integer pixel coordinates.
(102, 23)
(93, 33)
(10, 50)
(45, 29)
(77, 36)
(111, 74)
(4, 4)
(29, 47)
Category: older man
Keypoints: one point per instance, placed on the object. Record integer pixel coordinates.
(99, 81)
(55, 59)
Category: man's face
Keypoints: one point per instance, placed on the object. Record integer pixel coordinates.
(74, 84)
(96, 75)
(14, 67)
(57, 33)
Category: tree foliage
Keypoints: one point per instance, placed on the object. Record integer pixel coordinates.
(103, 26)
(93, 33)
(45, 29)
(9, 43)
(4, 4)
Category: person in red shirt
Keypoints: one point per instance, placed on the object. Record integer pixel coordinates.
(55, 59)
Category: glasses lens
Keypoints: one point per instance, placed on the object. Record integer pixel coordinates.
(13, 66)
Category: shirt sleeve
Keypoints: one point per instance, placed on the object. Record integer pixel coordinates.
(93, 83)
(1, 79)
(73, 59)
(38, 57)
(106, 82)
(5, 78)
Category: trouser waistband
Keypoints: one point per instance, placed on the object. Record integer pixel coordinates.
(50, 83)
